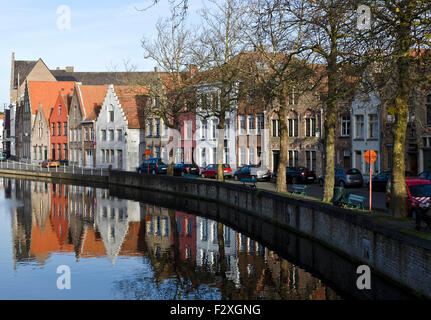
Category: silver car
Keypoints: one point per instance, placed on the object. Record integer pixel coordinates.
(261, 173)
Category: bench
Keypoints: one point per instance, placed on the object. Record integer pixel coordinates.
(299, 189)
(355, 201)
(251, 181)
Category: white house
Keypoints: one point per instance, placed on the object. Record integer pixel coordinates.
(207, 134)
(120, 129)
(207, 249)
(365, 116)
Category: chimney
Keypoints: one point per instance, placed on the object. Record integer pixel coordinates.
(58, 68)
(156, 69)
(70, 69)
(193, 69)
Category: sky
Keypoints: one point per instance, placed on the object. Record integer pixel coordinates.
(101, 36)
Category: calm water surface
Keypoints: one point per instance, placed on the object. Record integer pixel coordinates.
(123, 249)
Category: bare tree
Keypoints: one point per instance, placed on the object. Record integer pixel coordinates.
(220, 42)
(171, 89)
(282, 67)
(401, 36)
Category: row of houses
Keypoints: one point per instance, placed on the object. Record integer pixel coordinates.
(100, 120)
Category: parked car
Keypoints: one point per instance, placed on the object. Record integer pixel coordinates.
(64, 162)
(50, 163)
(253, 171)
(425, 175)
(345, 178)
(153, 165)
(2, 157)
(210, 171)
(297, 175)
(418, 191)
(380, 180)
(180, 169)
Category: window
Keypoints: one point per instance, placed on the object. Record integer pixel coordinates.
(311, 160)
(260, 124)
(34, 153)
(293, 97)
(65, 128)
(103, 135)
(293, 158)
(251, 124)
(310, 127)
(59, 129)
(59, 110)
(203, 157)
(150, 127)
(92, 134)
(214, 124)
(250, 97)
(86, 134)
(53, 129)
(65, 151)
(242, 156)
(204, 230)
(204, 129)
(428, 110)
(188, 130)
(103, 156)
(241, 124)
(111, 114)
(275, 128)
(251, 155)
(226, 128)
(71, 135)
(345, 126)
(158, 127)
(293, 127)
(157, 151)
(373, 126)
(119, 135)
(40, 153)
(112, 157)
(111, 135)
(359, 124)
(59, 151)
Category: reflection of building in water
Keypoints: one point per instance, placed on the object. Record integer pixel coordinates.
(251, 263)
(60, 211)
(291, 282)
(158, 233)
(186, 228)
(112, 220)
(207, 249)
(22, 221)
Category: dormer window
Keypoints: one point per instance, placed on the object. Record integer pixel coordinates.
(59, 110)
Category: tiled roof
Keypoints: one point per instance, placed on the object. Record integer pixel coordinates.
(91, 99)
(45, 93)
(23, 68)
(133, 101)
(104, 78)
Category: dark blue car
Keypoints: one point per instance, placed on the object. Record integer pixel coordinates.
(153, 166)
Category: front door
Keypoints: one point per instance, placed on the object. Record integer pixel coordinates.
(89, 159)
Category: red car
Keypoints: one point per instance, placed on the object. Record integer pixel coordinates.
(210, 171)
(418, 191)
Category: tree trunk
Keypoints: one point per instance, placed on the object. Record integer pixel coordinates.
(220, 148)
(222, 261)
(281, 184)
(398, 205)
(330, 121)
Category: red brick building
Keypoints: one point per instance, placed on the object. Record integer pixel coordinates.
(58, 127)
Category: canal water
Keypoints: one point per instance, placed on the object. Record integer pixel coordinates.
(115, 248)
